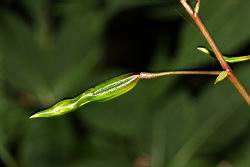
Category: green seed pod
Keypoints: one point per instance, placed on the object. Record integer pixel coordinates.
(102, 92)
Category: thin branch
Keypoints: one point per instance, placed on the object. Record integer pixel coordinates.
(231, 76)
(150, 75)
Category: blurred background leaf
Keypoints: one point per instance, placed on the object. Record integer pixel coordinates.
(50, 50)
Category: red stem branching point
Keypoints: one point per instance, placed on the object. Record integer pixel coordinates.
(231, 76)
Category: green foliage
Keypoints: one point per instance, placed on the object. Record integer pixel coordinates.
(160, 121)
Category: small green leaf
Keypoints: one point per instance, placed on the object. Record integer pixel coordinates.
(236, 59)
(205, 50)
(227, 59)
(221, 77)
(102, 92)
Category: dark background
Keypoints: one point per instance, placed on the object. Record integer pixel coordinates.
(51, 50)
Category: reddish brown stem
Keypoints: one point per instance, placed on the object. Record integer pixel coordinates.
(153, 75)
(231, 76)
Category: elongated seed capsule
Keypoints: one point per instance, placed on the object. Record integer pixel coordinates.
(102, 92)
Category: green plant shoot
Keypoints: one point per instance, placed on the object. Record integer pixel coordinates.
(227, 59)
(108, 90)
